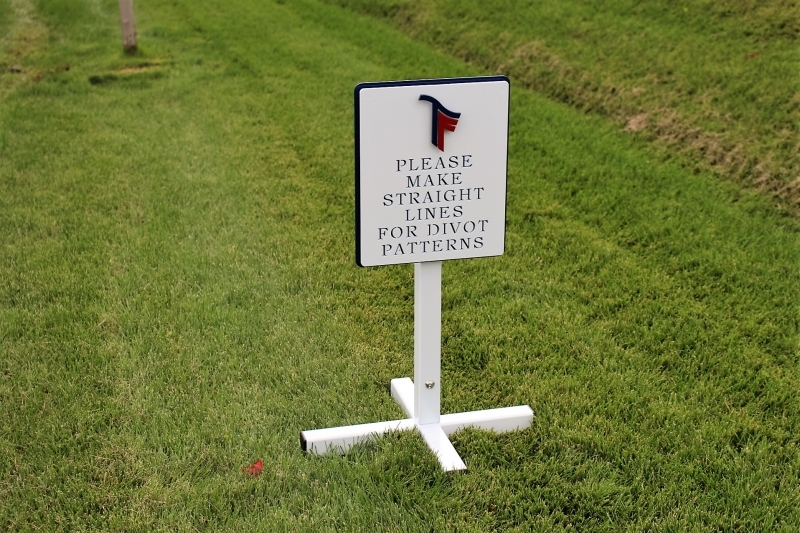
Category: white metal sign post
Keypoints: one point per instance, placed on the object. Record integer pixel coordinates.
(431, 160)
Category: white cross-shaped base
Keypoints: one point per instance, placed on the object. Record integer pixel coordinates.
(425, 392)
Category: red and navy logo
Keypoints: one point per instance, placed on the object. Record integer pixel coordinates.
(442, 119)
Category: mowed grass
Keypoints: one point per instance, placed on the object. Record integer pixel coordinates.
(715, 81)
(178, 297)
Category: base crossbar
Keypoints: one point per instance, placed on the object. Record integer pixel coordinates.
(421, 401)
(341, 439)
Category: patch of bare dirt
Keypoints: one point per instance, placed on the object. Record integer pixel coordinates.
(637, 122)
(139, 69)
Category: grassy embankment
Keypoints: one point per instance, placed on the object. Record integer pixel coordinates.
(178, 297)
(717, 82)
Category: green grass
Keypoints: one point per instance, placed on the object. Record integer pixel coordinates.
(178, 297)
(715, 81)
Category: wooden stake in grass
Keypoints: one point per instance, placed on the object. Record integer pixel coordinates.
(128, 26)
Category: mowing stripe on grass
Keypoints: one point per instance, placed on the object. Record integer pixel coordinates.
(178, 298)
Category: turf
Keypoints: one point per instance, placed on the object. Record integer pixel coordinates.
(178, 298)
(716, 81)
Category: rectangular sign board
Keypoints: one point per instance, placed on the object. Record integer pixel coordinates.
(431, 165)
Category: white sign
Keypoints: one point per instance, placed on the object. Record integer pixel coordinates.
(431, 162)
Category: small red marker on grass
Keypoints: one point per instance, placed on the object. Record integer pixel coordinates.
(254, 469)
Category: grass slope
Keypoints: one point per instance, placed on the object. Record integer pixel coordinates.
(178, 297)
(715, 81)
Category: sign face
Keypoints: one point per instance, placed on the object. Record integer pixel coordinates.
(431, 162)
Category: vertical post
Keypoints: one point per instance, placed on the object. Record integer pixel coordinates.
(128, 26)
(427, 341)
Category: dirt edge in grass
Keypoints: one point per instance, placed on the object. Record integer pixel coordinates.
(25, 36)
(728, 159)
(535, 66)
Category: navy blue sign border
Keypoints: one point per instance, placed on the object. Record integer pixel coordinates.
(406, 83)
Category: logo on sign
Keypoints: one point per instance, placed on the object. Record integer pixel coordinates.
(442, 119)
